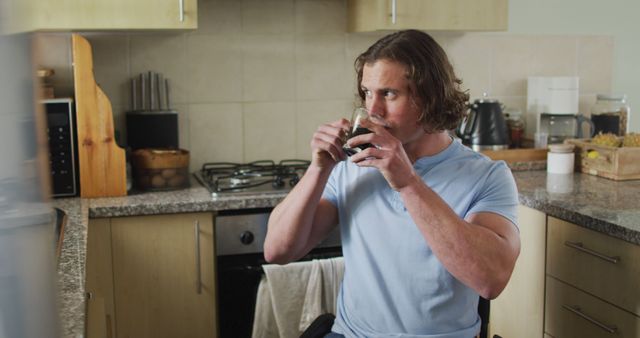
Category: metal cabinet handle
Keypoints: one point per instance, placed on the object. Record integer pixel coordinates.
(181, 7)
(576, 310)
(580, 247)
(394, 12)
(198, 272)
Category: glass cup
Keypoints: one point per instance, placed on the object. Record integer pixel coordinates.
(358, 115)
(540, 139)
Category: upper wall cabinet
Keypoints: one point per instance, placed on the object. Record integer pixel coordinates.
(104, 14)
(450, 15)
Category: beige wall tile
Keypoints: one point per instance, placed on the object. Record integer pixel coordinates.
(53, 50)
(184, 125)
(269, 131)
(268, 74)
(162, 53)
(356, 44)
(513, 102)
(311, 114)
(216, 133)
(321, 16)
(219, 16)
(585, 103)
(267, 16)
(511, 65)
(320, 64)
(471, 56)
(595, 64)
(111, 66)
(214, 68)
(554, 56)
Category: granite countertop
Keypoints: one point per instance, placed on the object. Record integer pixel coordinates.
(596, 203)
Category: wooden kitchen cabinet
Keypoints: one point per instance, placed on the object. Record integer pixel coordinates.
(163, 282)
(571, 313)
(594, 285)
(519, 310)
(451, 15)
(35, 15)
(99, 280)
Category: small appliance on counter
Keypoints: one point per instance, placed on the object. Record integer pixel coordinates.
(485, 127)
(560, 127)
(63, 147)
(552, 107)
(151, 123)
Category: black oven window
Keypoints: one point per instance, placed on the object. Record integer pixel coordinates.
(238, 280)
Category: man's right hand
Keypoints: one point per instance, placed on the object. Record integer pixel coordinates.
(327, 143)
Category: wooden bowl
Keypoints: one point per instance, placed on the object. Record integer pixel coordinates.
(160, 158)
(160, 169)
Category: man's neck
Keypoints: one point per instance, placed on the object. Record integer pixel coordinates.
(427, 145)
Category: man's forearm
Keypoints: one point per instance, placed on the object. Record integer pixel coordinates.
(290, 223)
(480, 255)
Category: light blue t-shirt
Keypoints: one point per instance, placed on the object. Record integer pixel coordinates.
(394, 286)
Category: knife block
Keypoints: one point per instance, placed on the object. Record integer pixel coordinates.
(152, 129)
(102, 163)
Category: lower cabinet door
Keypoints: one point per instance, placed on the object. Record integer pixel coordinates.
(571, 313)
(509, 317)
(163, 276)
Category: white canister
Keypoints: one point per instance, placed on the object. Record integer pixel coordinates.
(560, 159)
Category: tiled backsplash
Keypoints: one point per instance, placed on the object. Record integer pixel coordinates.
(258, 76)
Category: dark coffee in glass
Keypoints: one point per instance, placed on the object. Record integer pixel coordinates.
(358, 115)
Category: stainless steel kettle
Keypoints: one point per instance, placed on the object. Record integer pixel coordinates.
(484, 127)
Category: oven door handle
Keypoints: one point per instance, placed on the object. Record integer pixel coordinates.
(197, 246)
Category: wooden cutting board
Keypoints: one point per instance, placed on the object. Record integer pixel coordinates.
(102, 162)
(517, 155)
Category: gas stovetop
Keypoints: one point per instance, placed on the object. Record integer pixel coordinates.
(231, 179)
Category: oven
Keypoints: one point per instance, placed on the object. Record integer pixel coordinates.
(240, 234)
(239, 257)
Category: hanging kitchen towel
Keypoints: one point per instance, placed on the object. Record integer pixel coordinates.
(322, 289)
(287, 286)
(264, 321)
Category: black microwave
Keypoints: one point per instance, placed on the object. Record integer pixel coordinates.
(63, 147)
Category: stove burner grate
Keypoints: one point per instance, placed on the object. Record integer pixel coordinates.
(231, 177)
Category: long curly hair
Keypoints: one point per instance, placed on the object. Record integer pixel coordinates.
(437, 89)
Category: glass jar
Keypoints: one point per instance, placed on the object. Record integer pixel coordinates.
(610, 113)
(515, 123)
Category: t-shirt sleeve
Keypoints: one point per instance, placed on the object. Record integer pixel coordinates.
(499, 195)
(330, 192)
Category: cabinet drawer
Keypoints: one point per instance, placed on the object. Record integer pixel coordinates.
(596, 263)
(570, 313)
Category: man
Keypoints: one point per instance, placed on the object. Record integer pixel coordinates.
(427, 225)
